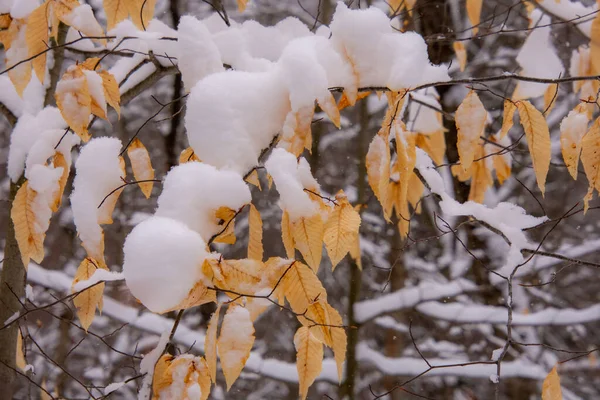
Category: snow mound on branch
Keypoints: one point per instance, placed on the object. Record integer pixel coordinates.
(380, 55)
(193, 191)
(26, 133)
(98, 173)
(233, 115)
(44, 147)
(197, 54)
(291, 177)
(44, 180)
(163, 259)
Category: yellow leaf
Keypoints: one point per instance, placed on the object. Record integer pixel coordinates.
(188, 155)
(111, 91)
(31, 242)
(331, 109)
(340, 229)
(242, 5)
(36, 36)
(551, 387)
(433, 144)
(287, 235)
(378, 165)
(21, 363)
(572, 130)
(163, 377)
(470, 122)
(255, 237)
(338, 338)
(235, 342)
(270, 180)
(550, 96)
(474, 13)
(296, 133)
(253, 179)
(595, 44)
(105, 212)
(355, 251)
(308, 239)
(309, 358)
(415, 191)
(345, 102)
(116, 11)
(405, 164)
(199, 294)
(19, 75)
(74, 101)
(317, 319)
(481, 177)
(90, 298)
(81, 19)
(240, 276)
(396, 6)
(461, 54)
(590, 158)
(507, 120)
(210, 344)
(502, 167)
(60, 162)
(302, 287)
(538, 140)
(226, 219)
(141, 12)
(141, 166)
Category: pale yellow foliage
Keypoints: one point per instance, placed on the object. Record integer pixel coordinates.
(31, 242)
(36, 35)
(595, 44)
(161, 379)
(140, 12)
(474, 13)
(470, 120)
(308, 238)
(309, 358)
(550, 96)
(77, 116)
(355, 250)
(199, 294)
(378, 165)
(538, 140)
(210, 344)
(551, 387)
(141, 165)
(89, 299)
(255, 236)
(302, 287)
(590, 158)
(571, 137)
(226, 216)
(253, 179)
(19, 75)
(105, 212)
(242, 5)
(340, 229)
(60, 162)
(287, 235)
(433, 144)
(234, 344)
(165, 376)
(507, 119)
(188, 155)
(116, 11)
(111, 91)
(461, 54)
(20, 361)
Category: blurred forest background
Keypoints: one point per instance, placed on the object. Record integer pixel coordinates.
(386, 345)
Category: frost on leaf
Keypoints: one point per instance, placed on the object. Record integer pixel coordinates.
(538, 139)
(590, 158)
(340, 229)
(255, 237)
(235, 342)
(309, 358)
(89, 299)
(470, 123)
(551, 387)
(141, 166)
(182, 377)
(572, 130)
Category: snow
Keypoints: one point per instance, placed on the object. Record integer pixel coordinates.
(29, 295)
(82, 18)
(197, 54)
(44, 181)
(192, 193)
(421, 118)
(291, 178)
(98, 173)
(162, 262)
(568, 10)
(12, 318)
(96, 88)
(22, 8)
(100, 275)
(573, 127)
(9, 96)
(538, 58)
(410, 297)
(233, 115)
(382, 56)
(25, 134)
(44, 147)
(147, 366)
(113, 387)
